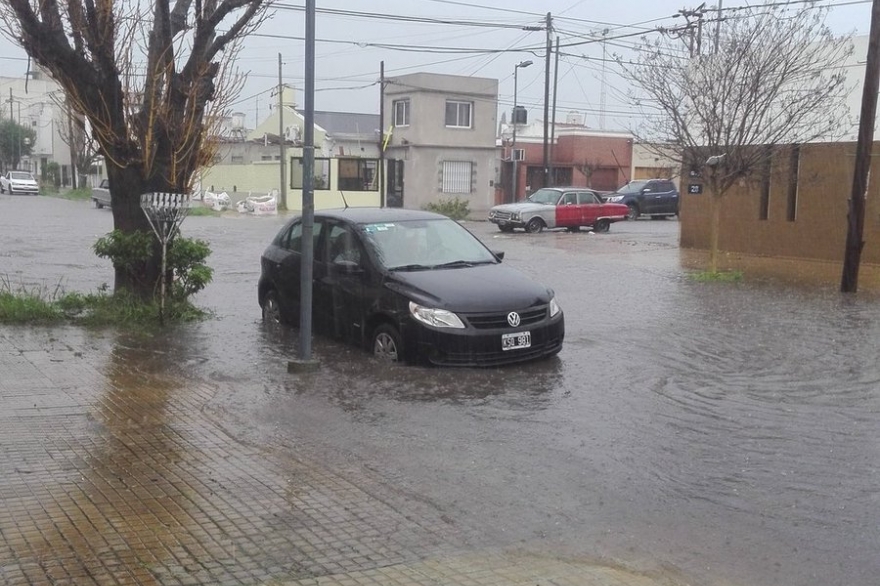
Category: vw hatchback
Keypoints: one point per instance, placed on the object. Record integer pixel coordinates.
(411, 286)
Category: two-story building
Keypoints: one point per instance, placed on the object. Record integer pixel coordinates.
(442, 140)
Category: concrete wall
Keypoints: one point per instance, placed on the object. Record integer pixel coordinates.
(818, 229)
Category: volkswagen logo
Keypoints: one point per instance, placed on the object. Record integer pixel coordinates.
(513, 319)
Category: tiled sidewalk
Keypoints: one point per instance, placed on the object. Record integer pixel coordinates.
(111, 472)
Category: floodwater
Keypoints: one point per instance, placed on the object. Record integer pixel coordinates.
(725, 431)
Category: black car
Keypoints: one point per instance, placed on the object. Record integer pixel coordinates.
(412, 286)
(657, 198)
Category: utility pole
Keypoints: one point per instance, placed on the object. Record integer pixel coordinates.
(718, 27)
(549, 50)
(553, 121)
(305, 361)
(382, 191)
(282, 204)
(849, 281)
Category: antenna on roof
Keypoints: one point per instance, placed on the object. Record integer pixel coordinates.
(343, 200)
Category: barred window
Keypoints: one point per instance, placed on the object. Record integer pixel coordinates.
(457, 177)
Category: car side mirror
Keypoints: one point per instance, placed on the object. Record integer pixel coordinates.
(499, 254)
(646, 190)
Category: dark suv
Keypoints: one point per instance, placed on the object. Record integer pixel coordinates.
(647, 197)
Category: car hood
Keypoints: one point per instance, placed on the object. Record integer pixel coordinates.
(523, 206)
(478, 289)
(23, 181)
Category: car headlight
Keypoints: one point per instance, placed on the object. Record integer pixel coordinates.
(554, 307)
(439, 318)
(515, 216)
(615, 199)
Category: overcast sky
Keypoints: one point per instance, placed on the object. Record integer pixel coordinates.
(351, 47)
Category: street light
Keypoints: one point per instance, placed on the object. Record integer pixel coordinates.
(513, 119)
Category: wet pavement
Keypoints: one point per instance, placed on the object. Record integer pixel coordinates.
(688, 433)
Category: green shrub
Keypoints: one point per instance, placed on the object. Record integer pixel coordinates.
(454, 208)
(185, 259)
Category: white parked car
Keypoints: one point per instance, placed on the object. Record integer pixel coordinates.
(13, 182)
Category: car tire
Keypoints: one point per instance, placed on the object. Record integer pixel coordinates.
(601, 226)
(271, 308)
(99, 205)
(387, 344)
(2, 190)
(535, 225)
(632, 212)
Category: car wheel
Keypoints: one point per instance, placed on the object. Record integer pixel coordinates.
(534, 225)
(601, 225)
(2, 190)
(632, 212)
(99, 205)
(271, 308)
(506, 229)
(387, 344)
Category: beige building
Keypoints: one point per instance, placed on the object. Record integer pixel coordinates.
(443, 131)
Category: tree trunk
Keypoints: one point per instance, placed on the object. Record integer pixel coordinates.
(127, 187)
(714, 229)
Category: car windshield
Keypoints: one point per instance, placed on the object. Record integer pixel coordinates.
(425, 244)
(545, 196)
(20, 175)
(632, 187)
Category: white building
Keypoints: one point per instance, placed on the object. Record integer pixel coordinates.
(34, 101)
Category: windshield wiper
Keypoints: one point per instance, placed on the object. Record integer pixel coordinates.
(456, 264)
(412, 267)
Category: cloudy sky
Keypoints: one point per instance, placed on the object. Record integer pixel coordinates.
(484, 38)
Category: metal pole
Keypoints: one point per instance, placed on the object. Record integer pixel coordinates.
(282, 193)
(849, 281)
(308, 196)
(718, 27)
(382, 192)
(513, 191)
(553, 121)
(547, 102)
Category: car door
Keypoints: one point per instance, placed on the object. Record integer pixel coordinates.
(665, 198)
(567, 211)
(588, 203)
(285, 264)
(342, 283)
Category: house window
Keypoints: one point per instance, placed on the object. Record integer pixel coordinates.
(358, 175)
(457, 177)
(237, 159)
(321, 173)
(458, 114)
(400, 109)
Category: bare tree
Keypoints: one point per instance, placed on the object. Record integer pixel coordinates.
(587, 167)
(775, 81)
(152, 80)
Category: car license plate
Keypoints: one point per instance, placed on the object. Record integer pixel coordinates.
(516, 340)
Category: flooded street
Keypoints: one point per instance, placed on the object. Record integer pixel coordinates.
(714, 433)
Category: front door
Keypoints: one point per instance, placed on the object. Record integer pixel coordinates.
(394, 182)
(589, 205)
(568, 213)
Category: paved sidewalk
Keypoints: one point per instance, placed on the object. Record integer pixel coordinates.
(115, 470)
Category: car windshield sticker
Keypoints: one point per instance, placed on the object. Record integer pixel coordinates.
(377, 227)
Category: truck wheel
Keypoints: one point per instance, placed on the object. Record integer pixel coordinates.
(632, 211)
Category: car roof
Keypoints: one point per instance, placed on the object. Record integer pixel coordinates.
(373, 215)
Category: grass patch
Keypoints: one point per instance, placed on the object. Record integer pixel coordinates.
(717, 276)
(40, 305)
(82, 194)
(200, 210)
